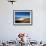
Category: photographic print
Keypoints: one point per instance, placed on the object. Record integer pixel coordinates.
(22, 17)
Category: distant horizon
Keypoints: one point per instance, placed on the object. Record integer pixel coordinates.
(20, 15)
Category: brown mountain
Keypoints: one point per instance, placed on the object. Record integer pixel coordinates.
(25, 20)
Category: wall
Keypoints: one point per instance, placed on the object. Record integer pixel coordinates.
(37, 31)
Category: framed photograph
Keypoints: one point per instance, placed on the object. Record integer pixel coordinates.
(22, 17)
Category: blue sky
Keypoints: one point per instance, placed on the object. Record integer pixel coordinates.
(23, 14)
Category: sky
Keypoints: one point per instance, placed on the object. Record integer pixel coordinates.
(22, 14)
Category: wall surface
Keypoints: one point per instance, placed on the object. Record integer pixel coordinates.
(37, 31)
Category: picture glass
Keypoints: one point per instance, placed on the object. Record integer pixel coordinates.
(22, 16)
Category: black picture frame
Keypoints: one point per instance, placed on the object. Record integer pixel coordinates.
(20, 16)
